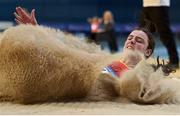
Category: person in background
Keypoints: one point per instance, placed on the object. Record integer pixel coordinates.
(107, 31)
(95, 28)
(155, 17)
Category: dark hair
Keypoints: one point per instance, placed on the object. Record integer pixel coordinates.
(151, 43)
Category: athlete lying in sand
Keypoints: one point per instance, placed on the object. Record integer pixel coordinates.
(35, 71)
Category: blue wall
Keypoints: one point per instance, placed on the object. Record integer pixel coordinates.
(77, 11)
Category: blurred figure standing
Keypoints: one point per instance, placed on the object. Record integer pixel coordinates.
(155, 17)
(95, 28)
(107, 31)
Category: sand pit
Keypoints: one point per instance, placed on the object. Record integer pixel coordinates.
(89, 108)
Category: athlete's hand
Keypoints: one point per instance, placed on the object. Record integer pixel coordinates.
(23, 17)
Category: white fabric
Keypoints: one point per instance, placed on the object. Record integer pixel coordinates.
(108, 70)
(151, 3)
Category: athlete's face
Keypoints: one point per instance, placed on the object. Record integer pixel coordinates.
(137, 40)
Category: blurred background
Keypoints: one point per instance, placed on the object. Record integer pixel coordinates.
(72, 15)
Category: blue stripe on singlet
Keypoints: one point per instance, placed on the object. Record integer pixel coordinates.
(109, 70)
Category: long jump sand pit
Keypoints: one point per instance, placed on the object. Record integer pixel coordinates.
(122, 107)
(89, 108)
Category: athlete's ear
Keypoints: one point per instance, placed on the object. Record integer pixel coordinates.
(148, 52)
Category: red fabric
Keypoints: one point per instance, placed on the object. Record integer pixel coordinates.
(118, 67)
